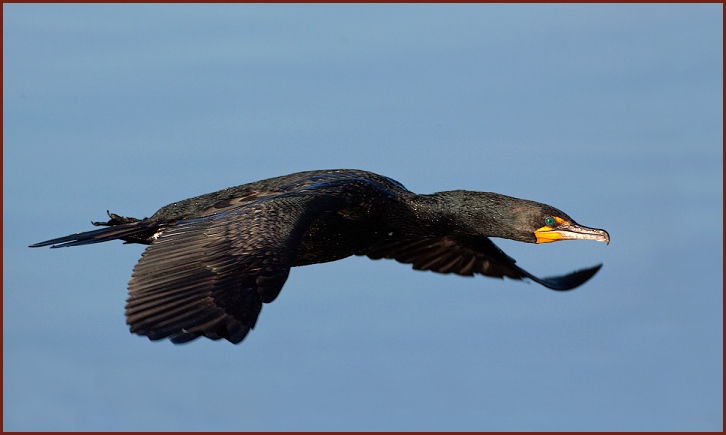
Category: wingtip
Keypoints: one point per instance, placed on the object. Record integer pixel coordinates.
(574, 279)
(569, 281)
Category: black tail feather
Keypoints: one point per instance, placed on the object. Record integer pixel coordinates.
(133, 232)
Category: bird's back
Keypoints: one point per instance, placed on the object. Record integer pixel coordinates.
(239, 196)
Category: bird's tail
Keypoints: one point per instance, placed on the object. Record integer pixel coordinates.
(130, 230)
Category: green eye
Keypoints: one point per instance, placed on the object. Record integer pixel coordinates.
(550, 221)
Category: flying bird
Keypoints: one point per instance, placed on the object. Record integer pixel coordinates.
(214, 259)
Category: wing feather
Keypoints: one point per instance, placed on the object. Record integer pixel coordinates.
(209, 276)
(468, 255)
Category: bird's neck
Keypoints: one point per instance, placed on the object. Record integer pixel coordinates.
(468, 213)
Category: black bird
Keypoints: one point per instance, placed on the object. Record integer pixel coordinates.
(214, 259)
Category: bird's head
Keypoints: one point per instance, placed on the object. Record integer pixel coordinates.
(496, 215)
(541, 223)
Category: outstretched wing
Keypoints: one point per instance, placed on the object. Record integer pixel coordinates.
(210, 276)
(468, 256)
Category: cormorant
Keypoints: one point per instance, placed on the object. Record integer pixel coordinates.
(214, 259)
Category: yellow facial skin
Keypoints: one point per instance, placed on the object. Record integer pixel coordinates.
(564, 230)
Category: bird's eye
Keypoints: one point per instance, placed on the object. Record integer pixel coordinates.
(550, 221)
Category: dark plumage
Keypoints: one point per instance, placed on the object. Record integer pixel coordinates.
(214, 259)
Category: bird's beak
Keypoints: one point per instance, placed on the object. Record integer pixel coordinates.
(570, 231)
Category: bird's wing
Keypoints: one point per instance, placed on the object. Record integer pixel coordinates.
(209, 276)
(449, 254)
(468, 256)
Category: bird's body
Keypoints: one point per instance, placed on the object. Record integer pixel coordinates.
(215, 258)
